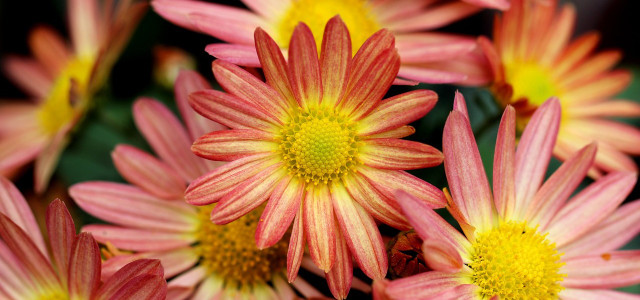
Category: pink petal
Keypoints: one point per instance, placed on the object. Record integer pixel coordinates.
(15, 207)
(20, 148)
(341, 274)
(504, 164)
(602, 271)
(534, 152)
(620, 136)
(62, 236)
(147, 172)
(132, 207)
(434, 17)
(174, 261)
(397, 154)
(49, 48)
(273, 64)
(465, 172)
(230, 145)
(396, 111)
(84, 267)
(614, 232)
(186, 83)
(245, 85)
(248, 195)
(360, 232)
(129, 274)
(84, 27)
(590, 294)
(497, 4)
(611, 108)
(304, 67)
(319, 226)
(389, 181)
(29, 75)
(397, 133)
(266, 8)
(557, 189)
(422, 286)
(296, 246)
(441, 256)
(335, 60)
(152, 287)
(380, 205)
(459, 104)
(13, 275)
(212, 186)
(430, 75)
(419, 48)
(282, 207)
(242, 55)
(589, 207)
(139, 239)
(47, 160)
(168, 137)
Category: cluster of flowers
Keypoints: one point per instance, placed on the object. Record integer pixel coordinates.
(299, 169)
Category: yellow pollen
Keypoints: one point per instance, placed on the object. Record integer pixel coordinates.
(531, 81)
(514, 261)
(356, 14)
(53, 294)
(319, 145)
(229, 251)
(57, 110)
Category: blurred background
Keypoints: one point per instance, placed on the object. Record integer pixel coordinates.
(110, 123)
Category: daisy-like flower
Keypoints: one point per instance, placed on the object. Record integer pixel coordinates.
(27, 271)
(60, 82)
(533, 58)
(318, 143)
(150, 217)
(527, 239)
(426, 56)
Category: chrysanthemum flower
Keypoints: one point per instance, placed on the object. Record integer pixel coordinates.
(60, 82)
(527, 239)
(27, 271)
(426, 56)
(319, 144)
(151, 218)
(533, 58)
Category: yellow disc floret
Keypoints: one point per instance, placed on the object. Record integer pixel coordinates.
(319, 145)
(57, 110)
(514, 261)
(356, 14)
(531, 81)
(230, 252)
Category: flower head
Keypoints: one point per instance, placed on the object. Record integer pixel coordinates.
(532, 58)
(73, 271)
(426, 56)
(317, 142)
(151, 220)
(526, 239)
(62, 82)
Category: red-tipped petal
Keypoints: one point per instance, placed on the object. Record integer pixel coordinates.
(341, 274)
(229, 145)
(241, 55)
(380, 205)
(296, 245)
(273, 64)
(319, 226)
(335, 60)
(504, 165)
(279, 212)
(397, 111)
(84, 267)
(15, 207)
(62, 235)
(390, 180)
(129, 273)
(304, 67)
(397, 154)
(188, 82)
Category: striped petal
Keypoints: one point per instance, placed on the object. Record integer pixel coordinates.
(248, 195)
(397, 133)
(62, 236)
(465, 172)
(335, 60)
(504, 164)
(559, 187)
(319, 226)
(341, 275)
(186, 83)
(296, 245)
(273, 64)
(389, 181)
(168, 138)
(15, 207)
(360, 232)
(139, 239)
(435, 17)
(84, 267)
(242, 55)
(174, 262)
(394, 112)
(591, 294)
(132, 276)
(397, 154)
(132, 207)
(422, 286)
(611, 108)
(151, 287)
(620, 136)
(304, 67)
(280, 210)
(614, 232)
(441, 256)
(534, 152)
(589, 207)
(230, 145)
(147, 172)
(212, 186)
(416, 48)
(602, 271)
(380, 205)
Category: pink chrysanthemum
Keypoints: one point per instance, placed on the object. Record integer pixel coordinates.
(73, 272)
(533, 58)
(203, 260)
(60, 82)
(527, 239)
(426, 56)
(318, 143)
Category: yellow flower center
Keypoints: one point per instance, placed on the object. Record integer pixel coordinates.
(356, 14)
(57, 110)
(53, 294)
(229, 251)
(514, 261)
(319, 145)
(531, 81)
